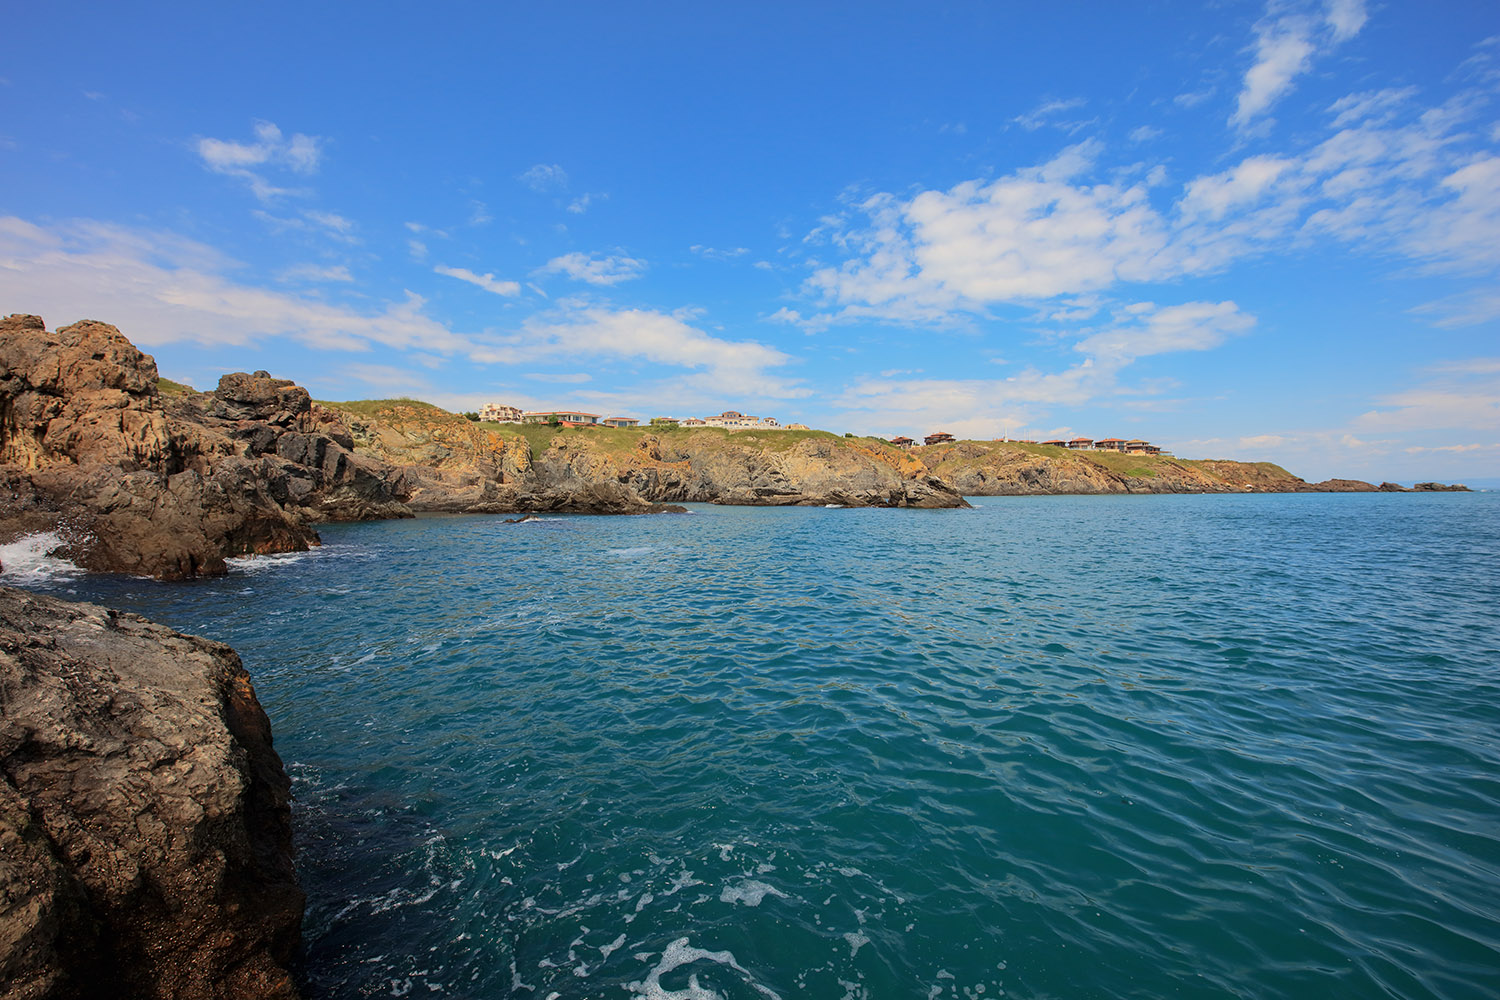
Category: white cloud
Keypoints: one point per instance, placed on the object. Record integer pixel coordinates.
(544, 177)
(1464, 309)
(1395, 179)
(1145, 133)
(486, 281)
(300, 154)
(716, 253)
(159, 288)
(725, 367)
(315, 273)
(1287, 40)
(1456, 396)
(562, 378)
(387, 377)
(1283, 51)
(609, 270)
(1346, 17)
(1242, 185)
(1049, 113)
(1371, 104)
(1027, 236)
(1144, 329)
(581, 204)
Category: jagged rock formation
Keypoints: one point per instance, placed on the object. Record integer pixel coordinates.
(170, 485)
(145, 830)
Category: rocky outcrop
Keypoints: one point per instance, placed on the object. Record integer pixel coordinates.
(170, 486)
(715, 466)
(145, 833)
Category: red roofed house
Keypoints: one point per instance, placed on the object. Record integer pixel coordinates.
(902, 442)
(1110, 444)
(620, 421)
(1080, 443)
(938, 438)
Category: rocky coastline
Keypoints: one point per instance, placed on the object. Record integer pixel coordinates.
(145, 826)
(134, 474)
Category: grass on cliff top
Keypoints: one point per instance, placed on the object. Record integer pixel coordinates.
(623, 440)
(376, 407)
(1133, 466)
(1258, 469)
(166, 387)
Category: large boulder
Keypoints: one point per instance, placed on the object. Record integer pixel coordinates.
(145, 833)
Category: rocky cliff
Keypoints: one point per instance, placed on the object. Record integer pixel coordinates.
(145, 833)
(1012, 468)
(171, 484)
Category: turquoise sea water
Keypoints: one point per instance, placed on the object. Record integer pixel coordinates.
(1175, 746)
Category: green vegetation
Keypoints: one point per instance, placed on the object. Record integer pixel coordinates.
(1269, 470)
(376, 407)
(1134, 466)
(167, 387)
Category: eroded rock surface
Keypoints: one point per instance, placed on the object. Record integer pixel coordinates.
(145, 833)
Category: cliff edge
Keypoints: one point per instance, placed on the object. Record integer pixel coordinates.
(145, 829)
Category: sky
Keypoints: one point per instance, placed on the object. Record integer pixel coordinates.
(1263, 231)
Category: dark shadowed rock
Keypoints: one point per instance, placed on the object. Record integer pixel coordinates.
(1439, 488)
(145, 835)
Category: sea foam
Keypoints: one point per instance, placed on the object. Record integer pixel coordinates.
(30, 559)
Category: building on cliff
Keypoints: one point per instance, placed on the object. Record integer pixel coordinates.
(903, 442)
(500, 414)
(620, 422)
(1080, 444)
(568, 418)
(938, 437)
(735, 421)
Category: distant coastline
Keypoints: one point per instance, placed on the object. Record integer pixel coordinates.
(138, 474)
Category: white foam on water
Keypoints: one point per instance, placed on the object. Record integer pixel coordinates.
(605, 950)
(253, 563)
(856, 941)
(750, 893)
(680, 881)
(30, 558)
(680, 953)
(639, 551)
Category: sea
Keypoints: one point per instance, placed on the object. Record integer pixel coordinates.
(1051, 747)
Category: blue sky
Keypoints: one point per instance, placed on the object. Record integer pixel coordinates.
(1247, 230)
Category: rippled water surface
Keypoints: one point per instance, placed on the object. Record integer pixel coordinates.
(1053, 747)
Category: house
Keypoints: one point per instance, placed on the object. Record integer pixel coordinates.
(620, 421)
(904, 443)
(500, 414)
(1080, 444)
(1110, 444)
(736, 421)
(568, 418)
(797, 427)
(939, 437)
(692, 422)
(1138, 447)
(1056, 444)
